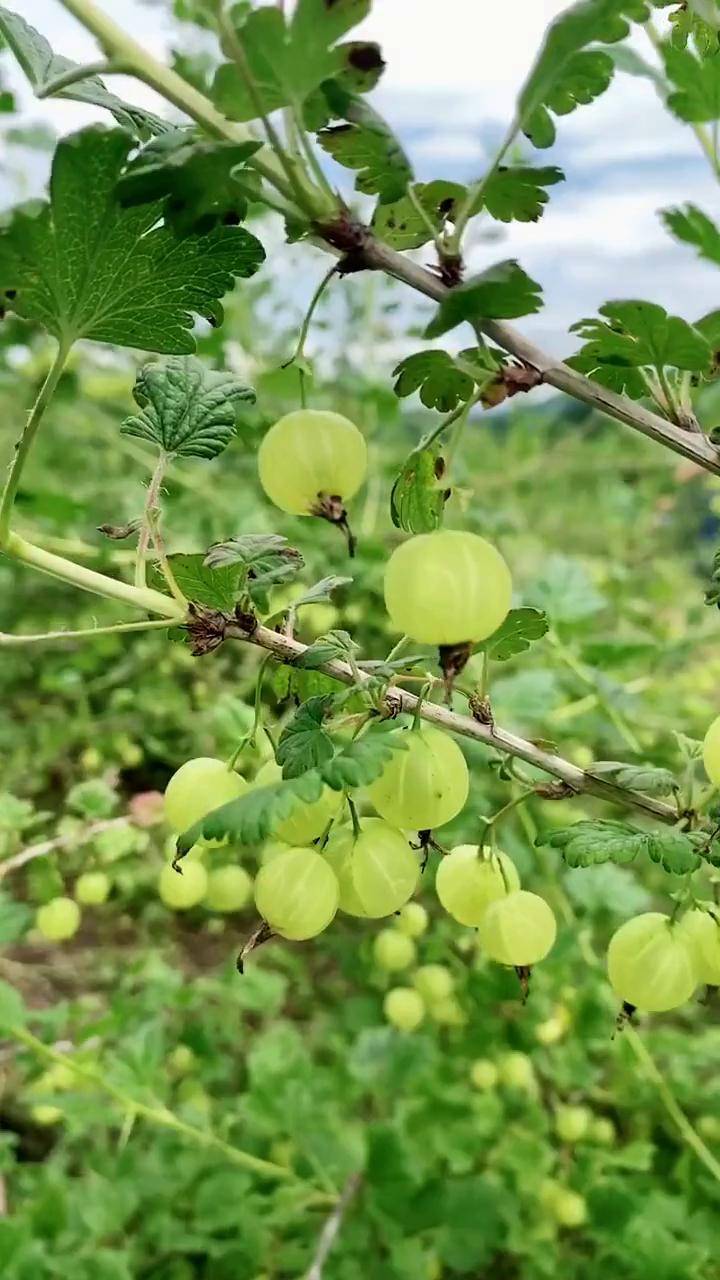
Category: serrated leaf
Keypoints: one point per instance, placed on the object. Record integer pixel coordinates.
(695, 96)
(388, 668)
(441, 383)
(41, 66)
(266, 560)
(501, 292)
(565, 73)
(517, 193)
(255, 815)
(187, 409)
(636, 777)
(401, 226)
(360, 762)
(515, 635)
(674, 851)
(286, 60)
(84, 267)
(361, 65)
(321, 591)
(588, 843)
(418, 496)
(327, 648)
(635, 335)
(366, 144)
(304, 742)
(215, 588)
(202, 183)
(694, 227)
(12, 1008)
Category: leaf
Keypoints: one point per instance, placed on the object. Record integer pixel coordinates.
(12, 1008)
(215, 588)
(41, 66)
(418, 496)
(187, 409)
(360, 68)
(286, 61)
(372, 150)
(265, 560)
(358, 763)
(518, 193)
(304, 743)
(589, 843)
(565, 73)
(203, 184)
(255, 815)
(515, 635)
(441, 382)
(636, 777)
(335, 645)
(501, 292)
(401, 226)
(694, 227)
(321, 591)
(84, 267)
(696, 93)
(638, 335)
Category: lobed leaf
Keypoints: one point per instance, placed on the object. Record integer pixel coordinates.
(215, 588)
(186, 409)
(255, 815)
(636, 777)
(418, 495)
(335, 645)
(359, 762)
(84, 267)
(515, 635)
(517, 193)
(305, 743)
(695, 95)
(501, 292)
(321, 591)
(402, 226)
(591, 842)
(696, 228)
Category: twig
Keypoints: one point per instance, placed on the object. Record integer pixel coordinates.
(60, 842)
(288, 650)
(332, 1225)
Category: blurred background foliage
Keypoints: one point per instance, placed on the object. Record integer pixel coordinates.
(293, 1061)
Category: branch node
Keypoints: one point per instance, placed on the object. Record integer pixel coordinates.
(206, 629)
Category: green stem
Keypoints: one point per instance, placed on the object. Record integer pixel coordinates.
(458, 412)
(257, 718)
(700, 133)
(27, 437)
(121, 47)
(74, 74)
(305, 326)
(475, 193)
(354, 817)
(672, 406)
(309, 153)
(485, 676)
(89, 580)
(653, 1072)
(492, 822)
(152, 504)
(15, 641)
(426, 220)
(426, 689)
(165, 565)
(158, 1115)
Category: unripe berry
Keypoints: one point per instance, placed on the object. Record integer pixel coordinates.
(483, 1073)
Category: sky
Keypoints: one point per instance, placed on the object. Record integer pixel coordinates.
(449, 93)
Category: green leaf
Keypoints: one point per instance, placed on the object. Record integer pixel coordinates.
(515, 635)
(441, 382)
(12, 1008)
(518, 193)
(358, 763)
(565, 73)
(304, 743)
(202, 183)
(360, 68)
(418, 496)
(370, 148)
(187, 409)
(696, 93)
(565, 591)
(636, 777)
(265, 559)
(321, 591)
(286, 61)
(638, 335)
(256, 814)
(84, 267)
(401, 226)
(327, 648)
(696, 228)
(41, 66)
(215, 588)
(588, 843)
(501, 292)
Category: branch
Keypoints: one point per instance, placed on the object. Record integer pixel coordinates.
(556, 374)
(73, 840)
(332, 1226)
(287, 650)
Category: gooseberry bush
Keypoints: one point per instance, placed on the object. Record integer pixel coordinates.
(335, 793)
